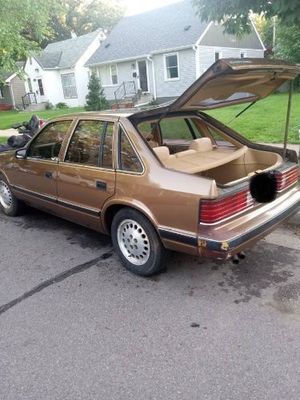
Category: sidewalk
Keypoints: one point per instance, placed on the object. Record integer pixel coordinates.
(289, 146)
(8, 132)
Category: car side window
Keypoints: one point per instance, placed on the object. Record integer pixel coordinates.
(84, 147)
(177, 128)
(47, 144)
(128, 159)
(106, 153)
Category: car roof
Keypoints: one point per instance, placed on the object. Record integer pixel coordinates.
(125, 113)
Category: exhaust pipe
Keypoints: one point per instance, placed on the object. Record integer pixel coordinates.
(239, 256)
(235, 260)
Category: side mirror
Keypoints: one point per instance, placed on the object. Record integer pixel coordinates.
(20, 154)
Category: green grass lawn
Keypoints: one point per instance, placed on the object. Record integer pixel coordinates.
(3, 140)
(265, 120)
(8, 118)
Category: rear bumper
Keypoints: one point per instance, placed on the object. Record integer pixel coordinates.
(229, 238)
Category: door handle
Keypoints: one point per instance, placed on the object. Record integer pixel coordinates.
(101, 185)
(48, 174)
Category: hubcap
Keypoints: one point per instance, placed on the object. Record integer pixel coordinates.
(133, 242)
(5, 195)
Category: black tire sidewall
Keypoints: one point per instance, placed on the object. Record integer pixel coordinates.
(156, 259)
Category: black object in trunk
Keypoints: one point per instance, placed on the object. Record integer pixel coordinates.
(263, 187)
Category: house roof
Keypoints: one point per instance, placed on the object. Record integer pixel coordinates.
(65, 54)
(5, 76)
(171, 27)
(215, 37)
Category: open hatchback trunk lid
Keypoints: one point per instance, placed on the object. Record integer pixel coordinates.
(235, 81)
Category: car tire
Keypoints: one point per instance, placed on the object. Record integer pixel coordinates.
(137, 243)
(9, 204)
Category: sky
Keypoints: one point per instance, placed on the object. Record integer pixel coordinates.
(139, 6)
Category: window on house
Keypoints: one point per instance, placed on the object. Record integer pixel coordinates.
(41, 88)
(128, 160)
(243, 55)
(217, 55)
(114, 74)
(172, 70)
(1, 93)
(69, 86)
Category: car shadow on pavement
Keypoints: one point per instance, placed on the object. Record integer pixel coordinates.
(75, 234)
(267, 266)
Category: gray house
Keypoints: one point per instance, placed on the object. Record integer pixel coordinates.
(12, 89)
(163, 51)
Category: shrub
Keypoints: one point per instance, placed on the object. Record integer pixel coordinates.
(95, 99)
(61, 105)
(49, 106)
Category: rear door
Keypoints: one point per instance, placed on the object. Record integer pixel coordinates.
(86, 176)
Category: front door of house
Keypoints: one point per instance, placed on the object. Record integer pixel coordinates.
(143, 75)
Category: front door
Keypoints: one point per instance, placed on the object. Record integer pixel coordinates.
(143, 75)
(86, 177)
(35, 177)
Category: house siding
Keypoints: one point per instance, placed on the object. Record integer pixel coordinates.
(34, 72)
(187, 74)
(7, 100)
(125, 72)
(82, 72)
(18, 90)
(205, 55)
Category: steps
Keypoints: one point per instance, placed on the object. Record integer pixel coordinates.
(36, 107)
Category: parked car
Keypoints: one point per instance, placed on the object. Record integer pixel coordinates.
(167, 178)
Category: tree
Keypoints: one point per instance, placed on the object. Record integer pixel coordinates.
(95, 99)
(235, 14)
(288, 43)
(83, 16)
(23, 24)
(265, 29)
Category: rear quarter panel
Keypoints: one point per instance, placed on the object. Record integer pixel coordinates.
(168, 198)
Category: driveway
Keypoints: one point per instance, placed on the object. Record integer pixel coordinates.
(8, 132)
(75, 325)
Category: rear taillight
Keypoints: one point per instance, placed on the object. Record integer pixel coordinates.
(286, 178)
(212, 211)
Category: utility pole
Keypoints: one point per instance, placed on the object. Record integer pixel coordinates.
(274, 32)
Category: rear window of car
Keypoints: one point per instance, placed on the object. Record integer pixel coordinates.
(91, 144)
(177, 128)
(128, 159)
(170, 128)
(84, 147)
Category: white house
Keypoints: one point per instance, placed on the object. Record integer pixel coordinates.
(164, 51)
(58, 73)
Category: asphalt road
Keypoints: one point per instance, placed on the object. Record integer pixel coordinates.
(75, 325)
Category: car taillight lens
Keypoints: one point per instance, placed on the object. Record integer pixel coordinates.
(286, 178)
(212, 211)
